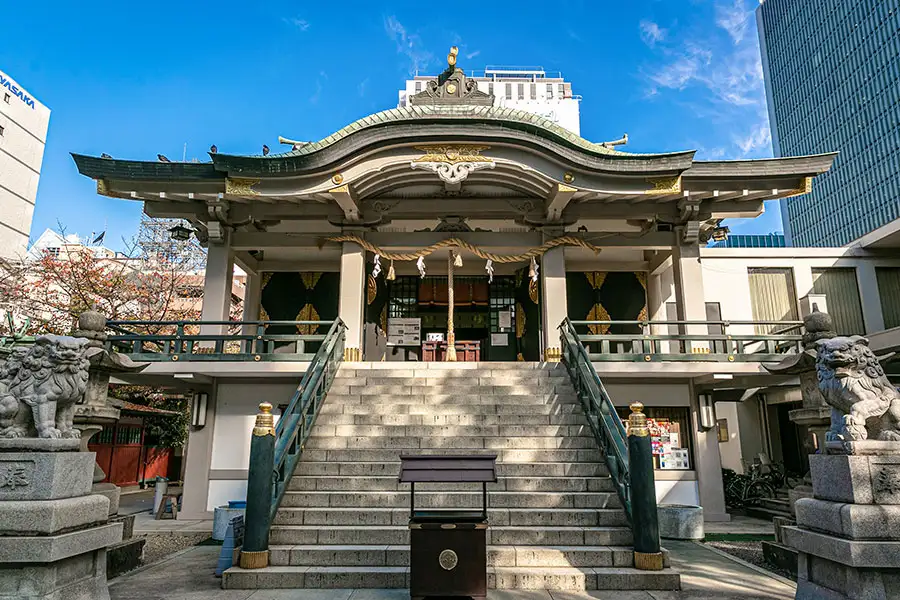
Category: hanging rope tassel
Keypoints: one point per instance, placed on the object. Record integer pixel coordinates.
(451, 335)
(376, 270)
(457, 259)
(533, 270)
(489, 267)
(420, 264)
(391, 276)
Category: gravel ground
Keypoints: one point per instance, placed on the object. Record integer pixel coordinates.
(750, 552)
(160, 545)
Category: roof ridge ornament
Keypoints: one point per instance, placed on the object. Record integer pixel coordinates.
(452, 87)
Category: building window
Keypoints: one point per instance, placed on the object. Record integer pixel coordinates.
(550, 91)
(533, 91)
(842, 296)
(53, 251)
(562, 90)
(889, 292)
(521, 90)
(773, 296)
(491, 89)
(6, 98)
(1, 130)
(404, 298)
(509, 91)
(418, 86)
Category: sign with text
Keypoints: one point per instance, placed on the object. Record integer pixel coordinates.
(404, 332)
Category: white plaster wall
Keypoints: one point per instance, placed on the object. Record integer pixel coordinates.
(223, 490)
(236, 408)
(677, 492)
(730, 451)
(649, 394)
(725, 278)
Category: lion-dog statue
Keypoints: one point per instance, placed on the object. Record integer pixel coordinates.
(865, 405)
(40, 385)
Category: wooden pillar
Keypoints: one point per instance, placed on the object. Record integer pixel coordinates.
(351, 302)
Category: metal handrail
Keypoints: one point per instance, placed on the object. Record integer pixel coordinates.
(297, 420)
(605, 423)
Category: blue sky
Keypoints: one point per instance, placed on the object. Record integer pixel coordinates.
(136, 79)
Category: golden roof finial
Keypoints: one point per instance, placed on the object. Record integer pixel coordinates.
(451, 58)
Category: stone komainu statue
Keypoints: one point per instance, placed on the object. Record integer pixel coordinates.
(865, 405)
(39, 386)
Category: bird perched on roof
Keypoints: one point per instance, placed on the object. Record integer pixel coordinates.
(265, 150)
(162, 158)
(213, 149)
(105, 155)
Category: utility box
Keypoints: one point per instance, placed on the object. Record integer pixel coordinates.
(448, 547)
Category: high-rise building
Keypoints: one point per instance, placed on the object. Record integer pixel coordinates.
(23, 132)
(832, 73)
(524, 88)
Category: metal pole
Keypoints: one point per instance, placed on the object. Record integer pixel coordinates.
(451, 336)
(645, 521)
(255, 551)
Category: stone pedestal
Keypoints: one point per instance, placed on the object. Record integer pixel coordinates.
(53, 532)
(848, 533)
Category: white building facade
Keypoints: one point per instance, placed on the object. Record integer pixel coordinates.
(23, 133)
(530, 89)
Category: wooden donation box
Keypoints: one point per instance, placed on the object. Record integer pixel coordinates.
(448, 547)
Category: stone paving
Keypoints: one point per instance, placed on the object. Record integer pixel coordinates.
(188, 575)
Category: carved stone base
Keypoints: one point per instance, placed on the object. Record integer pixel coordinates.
(848, 535)
(112, 492)
(45, 475)
(865, 448)
(81, 577)
(39, 445)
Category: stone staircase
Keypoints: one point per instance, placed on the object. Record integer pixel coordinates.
(555, 520)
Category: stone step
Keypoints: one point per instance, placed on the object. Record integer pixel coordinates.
(502, 368)
(321, 430)
(437, 387)
(564, 455)
(439, 442)
(390, 483)
(417, 372)
(522, 578)
(537, 469)
(382, 408)
(573, 517)
(367, 500)
(497, 556)
(452, 419)
(499, 535)
(454, 397)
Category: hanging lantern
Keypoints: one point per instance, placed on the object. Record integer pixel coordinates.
(376, 270)
(533, 270)
(457, 259)
(420, 264)
(391, 276)
(489, 267)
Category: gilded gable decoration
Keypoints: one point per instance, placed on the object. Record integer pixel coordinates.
(239, 186)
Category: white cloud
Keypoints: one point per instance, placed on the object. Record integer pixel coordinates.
(472, 55)
(408, 44)
(361, 88)
(734, 19)
(759, 138)
(651, 33)
(300, 24)
(684, 70)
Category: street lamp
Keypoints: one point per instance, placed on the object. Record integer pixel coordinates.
(199, 403)
(181, 233)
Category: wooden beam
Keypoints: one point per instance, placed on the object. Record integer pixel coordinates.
(247, 240)
(346, 199)
(246, 262)
(558, 200)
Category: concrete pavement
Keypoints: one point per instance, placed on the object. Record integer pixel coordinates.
(189, 575)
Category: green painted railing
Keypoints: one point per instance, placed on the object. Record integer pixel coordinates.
(297, 420)
(651, 345)
(604, 422)
(156, 341)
